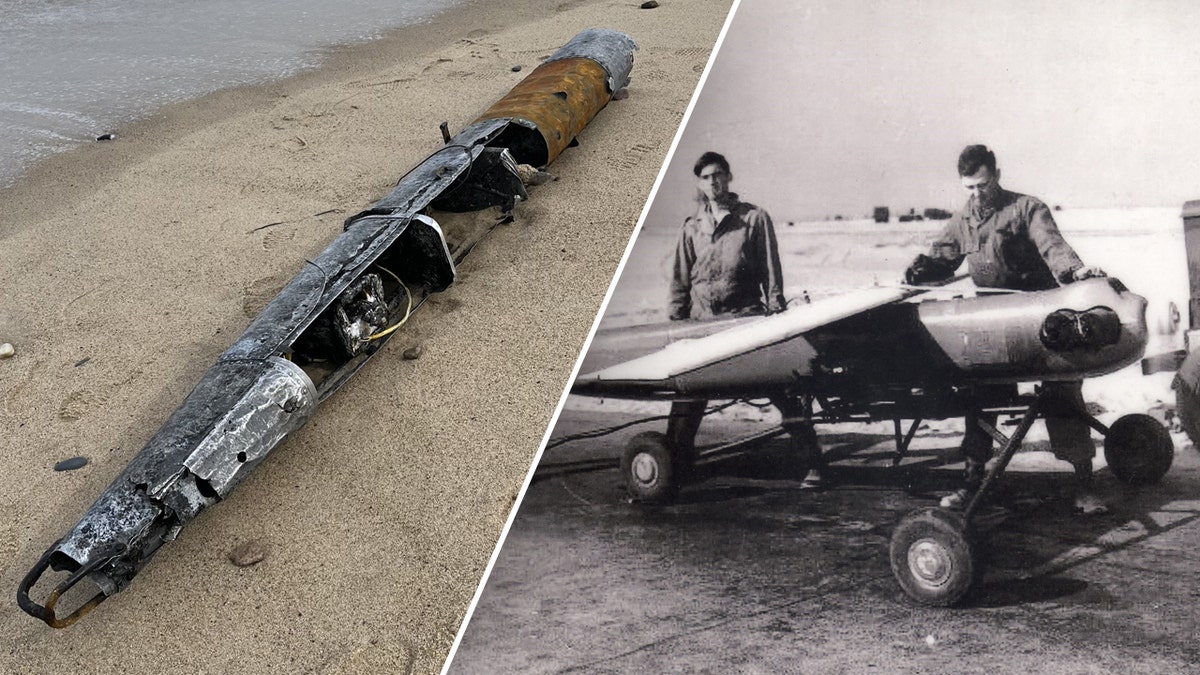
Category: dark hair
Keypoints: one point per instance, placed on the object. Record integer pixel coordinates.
(975, 156)
(711, 158)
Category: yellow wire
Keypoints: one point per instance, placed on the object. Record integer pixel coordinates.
(407, 312)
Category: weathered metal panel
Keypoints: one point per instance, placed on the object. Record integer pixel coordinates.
(280, 402)
(549, 108)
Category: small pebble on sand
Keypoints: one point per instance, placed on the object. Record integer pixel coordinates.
(71, 464)
(413, 352)
(247, 554)
(650, 4)
(516, 68)
(7, 351)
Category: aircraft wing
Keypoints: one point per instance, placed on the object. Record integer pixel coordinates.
(869, 337)
(655, 373)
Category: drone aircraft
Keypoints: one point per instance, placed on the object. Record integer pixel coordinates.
(886, 354)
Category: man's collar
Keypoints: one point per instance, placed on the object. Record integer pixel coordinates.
(705, 207)
(981, 213)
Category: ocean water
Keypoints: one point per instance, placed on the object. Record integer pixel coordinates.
(71, 70)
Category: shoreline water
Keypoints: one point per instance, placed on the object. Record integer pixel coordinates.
(72, 70)
(56, 177)
(129, 266)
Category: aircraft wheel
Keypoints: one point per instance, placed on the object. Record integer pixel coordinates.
(651, 469)
(933, 559)
(1138, 449)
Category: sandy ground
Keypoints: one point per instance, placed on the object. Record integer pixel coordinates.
(127, 267)
(753, 575)
(750, 574)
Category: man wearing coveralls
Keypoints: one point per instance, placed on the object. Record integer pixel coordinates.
(727, 264)
(1011, 241)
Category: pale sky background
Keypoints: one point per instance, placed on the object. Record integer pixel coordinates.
(834, 107)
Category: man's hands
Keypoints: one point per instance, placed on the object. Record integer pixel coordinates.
(926, 270)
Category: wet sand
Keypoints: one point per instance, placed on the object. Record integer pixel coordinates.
(129, 266)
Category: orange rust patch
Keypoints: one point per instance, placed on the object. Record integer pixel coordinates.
(559, 98)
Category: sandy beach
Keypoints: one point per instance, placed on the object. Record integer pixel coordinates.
(128, 266)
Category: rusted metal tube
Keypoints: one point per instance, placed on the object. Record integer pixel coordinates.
(558, 99)
(549, 108)
(331, 318)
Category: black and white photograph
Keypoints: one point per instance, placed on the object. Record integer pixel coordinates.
(899, 371)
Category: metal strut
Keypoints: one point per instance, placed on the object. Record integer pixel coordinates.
(903, 442)
(1010, 448)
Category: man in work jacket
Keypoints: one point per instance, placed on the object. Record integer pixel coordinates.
(727, 258)
(1011, 241)
(727, 264)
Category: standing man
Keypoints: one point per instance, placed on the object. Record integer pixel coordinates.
(727, 259)
(727, 264)
(1011, 241)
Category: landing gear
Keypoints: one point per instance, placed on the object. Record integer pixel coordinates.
(934, 554)
(656, 465)
(652, 471)
(1138, 449)
(934, 558)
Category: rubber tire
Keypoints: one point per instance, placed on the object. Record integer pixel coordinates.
(942, 533)
(648, 451)
(1139, 449)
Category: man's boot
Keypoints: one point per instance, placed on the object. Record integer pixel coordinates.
(1087, 502)
(972, 480)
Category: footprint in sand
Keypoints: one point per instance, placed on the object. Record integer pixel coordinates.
(692, 51)
(284, 122)
(446, 305)
(378, 655)
(655, 75)
(472, 75)
(273, 238)
(259, 292)
(437, 63)
(294, 144)
(535, 53)
(79, 403)
(637, 153)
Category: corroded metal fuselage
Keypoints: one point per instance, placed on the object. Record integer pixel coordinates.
(335, 314)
